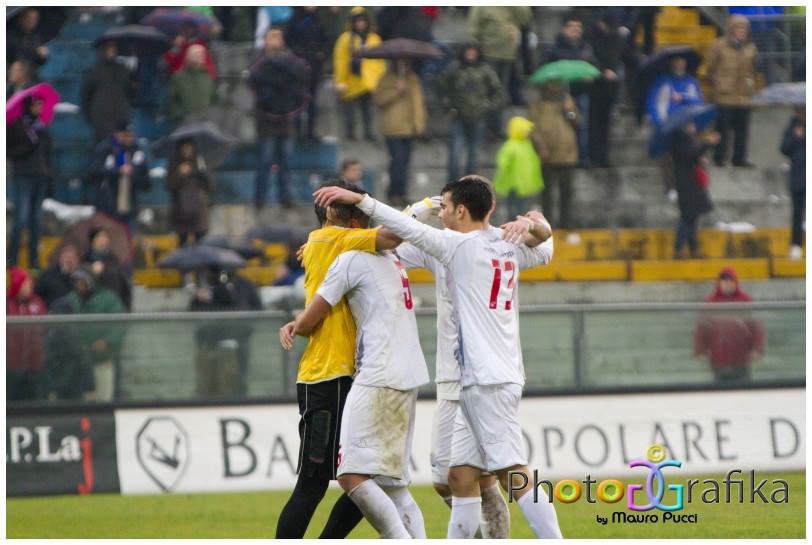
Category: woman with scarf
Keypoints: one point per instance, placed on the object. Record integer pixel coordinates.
(355, 77)
(28, 146)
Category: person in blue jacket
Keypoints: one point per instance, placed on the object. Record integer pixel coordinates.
(794, 146)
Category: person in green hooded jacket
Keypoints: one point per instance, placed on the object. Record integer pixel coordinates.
(518, 168)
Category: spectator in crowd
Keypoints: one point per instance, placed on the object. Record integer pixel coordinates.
(275, 128)
(470, 91)
(108, 90)
(518, 169)
(692, 180)
(106, 268)
(352, 171)
(404, 22)
(728, 341)
(764, 24)
(20, 76)
(268, 16)
(794, 147)
(732, 71)
(307, 38)
(190, 184)
(23, 41)
(188, 37)
(119, 170)
(28, 146)
(669, 92)
(24, 364)
(570, 44)
(103, 339)
(497, 30)
(402, 118)
(355, 77)
(556, 119)
(608, 45)
(55, 281)
(192, 91)
(68, 367)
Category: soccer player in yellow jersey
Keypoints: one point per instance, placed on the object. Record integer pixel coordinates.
(325, 373)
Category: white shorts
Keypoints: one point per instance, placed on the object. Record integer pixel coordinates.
(487, 433)
(376, 434)
(445, 414)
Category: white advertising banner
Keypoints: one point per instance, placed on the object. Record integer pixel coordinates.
(256, 447)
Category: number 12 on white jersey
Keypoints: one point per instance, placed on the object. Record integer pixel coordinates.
(509, 268)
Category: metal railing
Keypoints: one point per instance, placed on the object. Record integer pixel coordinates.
(572, 348)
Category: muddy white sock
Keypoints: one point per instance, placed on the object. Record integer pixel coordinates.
(464, 519)
(410, 513)
(379, 510)
(495, 521)
(541, 515)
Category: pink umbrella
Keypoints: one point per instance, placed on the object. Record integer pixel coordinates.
(40, 91)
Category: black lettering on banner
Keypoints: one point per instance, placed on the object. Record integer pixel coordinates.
(240, 445)
(604, 441)
(544, 433)
(774, 435)
(279, 452)
(528, 443)
(621, 431)
(692, 441)
(722, 439)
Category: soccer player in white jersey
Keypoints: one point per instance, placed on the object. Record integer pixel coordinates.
(495, 519)
(378, 424)
(483, 274)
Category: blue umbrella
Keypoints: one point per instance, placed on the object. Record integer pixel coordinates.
(699, 114)
(782, 93)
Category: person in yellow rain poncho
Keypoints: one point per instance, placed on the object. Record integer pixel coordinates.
(518, 169)
(355, 77)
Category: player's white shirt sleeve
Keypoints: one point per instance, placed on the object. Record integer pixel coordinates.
(538, 255)
(336, 282)
(413, 257)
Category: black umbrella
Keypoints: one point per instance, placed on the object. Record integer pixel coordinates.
(402, 48)
(210, 141)
(51, 19)
(287, 234)
(174, 21)
(196, 257)
(280, 83)
(135, 40)
(660, 62)
(241, 246)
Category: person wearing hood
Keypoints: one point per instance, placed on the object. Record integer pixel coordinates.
(470, 91)
(307, 38)
(106, 267)
(354, 77)
(28, 145)
(518, 169)
(556, 120)
(120, 171)
(794, 147)
(108, 91)
(192, 90)
(24, 363)
(729, 341)
(102, 339)
(732, 72)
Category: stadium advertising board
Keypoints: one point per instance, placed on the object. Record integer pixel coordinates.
(61, 454)
(256, 447)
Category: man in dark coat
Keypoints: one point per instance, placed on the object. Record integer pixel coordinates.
(119, 171)
(607, 44)
(55, 282)
(23, 41)
(108, 90)
(68, 365)
(794, 147)
(306, 36)
(28, 145)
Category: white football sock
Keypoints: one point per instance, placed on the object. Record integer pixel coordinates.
(410, 513)
(379, 510)
(541, 516)
(464, 519)
(495, 521)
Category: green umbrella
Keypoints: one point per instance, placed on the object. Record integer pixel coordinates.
(564, 71)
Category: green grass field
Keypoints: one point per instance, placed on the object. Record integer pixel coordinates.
(254, 515)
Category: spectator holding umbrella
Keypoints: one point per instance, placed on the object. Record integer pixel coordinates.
(24, 363)
(192, 90)
(794, 147)
(108, 91)
(280, 81)
(23, 41)
(355, 78)
(307, 38)
(732, 71)
(190, 184)
(28, 146)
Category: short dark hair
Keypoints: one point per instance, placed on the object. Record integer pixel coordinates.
(472, 191)
(572, 17)
(347, 163)
(344, 212)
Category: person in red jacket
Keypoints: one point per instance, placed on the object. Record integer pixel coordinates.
(24, 365)
(730, 341)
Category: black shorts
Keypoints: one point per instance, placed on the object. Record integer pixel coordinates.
(320, 406)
